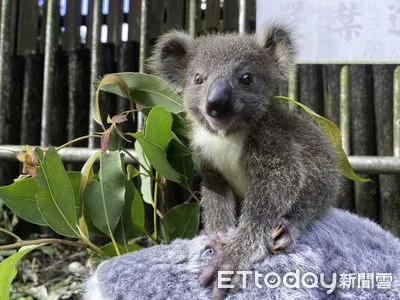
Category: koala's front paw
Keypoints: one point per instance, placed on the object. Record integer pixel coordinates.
(224, 260)
(284, 236)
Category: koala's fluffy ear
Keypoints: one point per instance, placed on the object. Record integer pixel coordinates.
(171, 56)
(278, 42)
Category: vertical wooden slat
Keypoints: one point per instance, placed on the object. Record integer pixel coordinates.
(96, 14)
(32, 99)
(363, 135)
(332, 96)
(396, 112)
(57, 119)
(389, 188)
(134, 20)
(42, 28)
(175, 14)
(4, 62)
(11, 108)
(89, 20)
(212, 15)
(114, 21)
(78, 94)
(251, 16)
(231, 16)
(242, 16)
(345, 109)
(193, 17)
(72, 22)
(154, 22)
(310, 87)
(28, 28)
(14, 26)
(52, 33)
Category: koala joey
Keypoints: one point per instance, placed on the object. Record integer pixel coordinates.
(267, 172)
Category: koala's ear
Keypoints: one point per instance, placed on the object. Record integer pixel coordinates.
(278, 43)
(171, 56)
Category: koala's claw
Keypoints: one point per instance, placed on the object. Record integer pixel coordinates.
(221, 262)
(283, 238)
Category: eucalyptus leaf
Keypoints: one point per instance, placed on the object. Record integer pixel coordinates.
(182, 221)
(158, 127)
(116, 84)
(145, 89)
(8, 270)
(124, 227)
(132, 172)
(333, 133)
(158, 160)
(137, 215)
(104, 199)
(55, 196)
(155, 142)
(180, 158)
(146, 186)
(20, 197)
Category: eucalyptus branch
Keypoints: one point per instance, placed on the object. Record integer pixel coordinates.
(77, 140)
(16, 237)
(155, 207)
(42, 241)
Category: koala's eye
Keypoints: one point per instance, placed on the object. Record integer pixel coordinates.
(246, 79)
(198, 79)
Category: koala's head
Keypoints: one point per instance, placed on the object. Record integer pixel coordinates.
(227, 80)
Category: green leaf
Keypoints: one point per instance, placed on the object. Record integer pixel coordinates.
(333, 133)
(8, 270)
(137, 215)
(158, 127)
(180, 127)
(157, 158)
(104, 199)
(180, 158)
(147, 90)
(55, 196)
(132, 171)
(181, 222)
(119, 87)
(155, 142)
(20, 197)
(75, 179)
(146, 186)
(124, 227)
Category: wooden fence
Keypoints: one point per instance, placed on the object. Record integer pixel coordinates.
(51, 51)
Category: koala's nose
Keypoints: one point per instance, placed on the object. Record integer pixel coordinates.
(219, 99)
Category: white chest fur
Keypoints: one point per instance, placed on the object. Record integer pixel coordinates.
(225, 153)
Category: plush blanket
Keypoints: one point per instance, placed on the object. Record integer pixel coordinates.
(342, 256)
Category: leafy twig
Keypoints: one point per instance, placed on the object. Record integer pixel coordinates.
(42, 241)
(77, 140)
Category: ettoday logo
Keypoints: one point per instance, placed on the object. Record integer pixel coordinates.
(308, 280)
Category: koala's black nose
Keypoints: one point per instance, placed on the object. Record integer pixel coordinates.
(219, 99)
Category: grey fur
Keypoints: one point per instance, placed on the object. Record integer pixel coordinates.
(287, 164)
(339, 242)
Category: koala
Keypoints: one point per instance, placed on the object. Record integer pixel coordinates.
(267, 172)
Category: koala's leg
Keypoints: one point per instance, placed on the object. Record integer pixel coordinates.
(270, 197)
(218, 205)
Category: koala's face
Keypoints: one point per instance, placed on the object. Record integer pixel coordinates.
(227, 80)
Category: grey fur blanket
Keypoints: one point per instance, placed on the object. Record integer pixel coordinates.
(358, 259)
